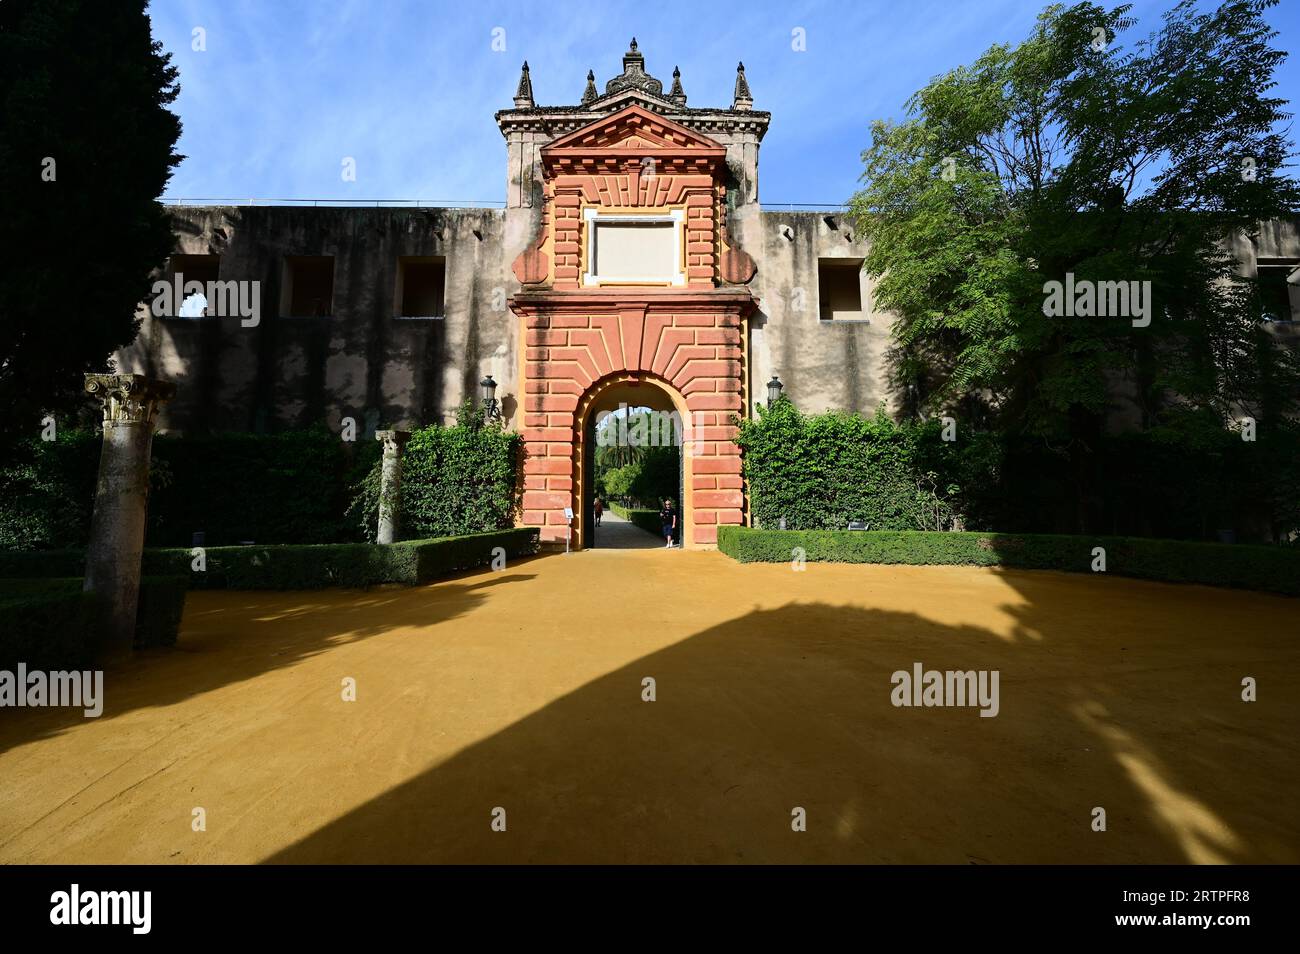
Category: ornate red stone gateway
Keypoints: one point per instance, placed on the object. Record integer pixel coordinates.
(630, 288)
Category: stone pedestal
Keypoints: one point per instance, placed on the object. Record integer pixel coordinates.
(117, 529)
(390, 486)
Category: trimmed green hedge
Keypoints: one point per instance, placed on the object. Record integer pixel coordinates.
(42, 564)
(47, 491)
(455, 481)
(821, 471)
(290, 487)
(158, 614)
(1189, 477)
(287, 487)
(343, 565)
(1273, 569)
(647, 520)
(290, 567)
(47, 624)
(51, 624)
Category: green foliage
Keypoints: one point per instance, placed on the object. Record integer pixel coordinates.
(290, 487)
(1189, 478)
(34, 564)
(1274, 569)
(614, 444)
(659, 476)
(102, 116)
(159, 611)
(455, 480)
(294, 567)
(647, 520)
(656, 475)
(617, 481)
(1059, 155)
(821, 471)
(636, 455)
(342, 565)
(47, 491)
(48, 622)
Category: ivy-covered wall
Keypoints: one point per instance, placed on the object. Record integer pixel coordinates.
(455, 480)
(821, 471)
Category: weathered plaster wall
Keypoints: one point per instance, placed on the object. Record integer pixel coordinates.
(294, 372)
(361, 361)
(1277, 239)
(364, 363)
(823, 364)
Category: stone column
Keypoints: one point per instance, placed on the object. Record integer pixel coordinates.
(130, 403)
(390, 483)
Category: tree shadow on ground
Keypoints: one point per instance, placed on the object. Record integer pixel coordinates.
(216, 629)
(791, 708)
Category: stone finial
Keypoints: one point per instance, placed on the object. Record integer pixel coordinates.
(129, 398)
(743, 99)
(677, 94)
(524, 94)
(589, 94)
(634, 75)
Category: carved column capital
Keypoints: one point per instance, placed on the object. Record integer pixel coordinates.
(394, 441)
(129, 398)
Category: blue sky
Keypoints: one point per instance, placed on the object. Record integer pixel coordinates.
(286, 89)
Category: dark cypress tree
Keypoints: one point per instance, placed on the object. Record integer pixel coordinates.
(87, 145)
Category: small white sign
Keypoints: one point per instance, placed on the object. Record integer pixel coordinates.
(568, 513)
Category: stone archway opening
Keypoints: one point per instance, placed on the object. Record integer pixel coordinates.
(632, 418)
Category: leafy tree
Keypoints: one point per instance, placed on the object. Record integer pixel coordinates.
(1069, 154)
(625, 442)
(659, 476)
(617, 482)
(86, 147)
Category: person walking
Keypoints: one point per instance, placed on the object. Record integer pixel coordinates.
(668, 519)
(598, 508)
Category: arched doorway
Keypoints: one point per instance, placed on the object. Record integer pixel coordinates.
(603, 413)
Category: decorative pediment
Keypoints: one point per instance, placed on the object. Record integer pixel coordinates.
(632, 131)
(611, 103)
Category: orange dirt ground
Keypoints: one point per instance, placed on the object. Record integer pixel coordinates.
(523, 690)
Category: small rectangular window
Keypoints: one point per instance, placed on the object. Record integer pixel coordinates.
(421, 288)
(839, 289)
(308, 287)
(193, 268)
(1279, 296)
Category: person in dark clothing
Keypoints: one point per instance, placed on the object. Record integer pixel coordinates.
(668, 518)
